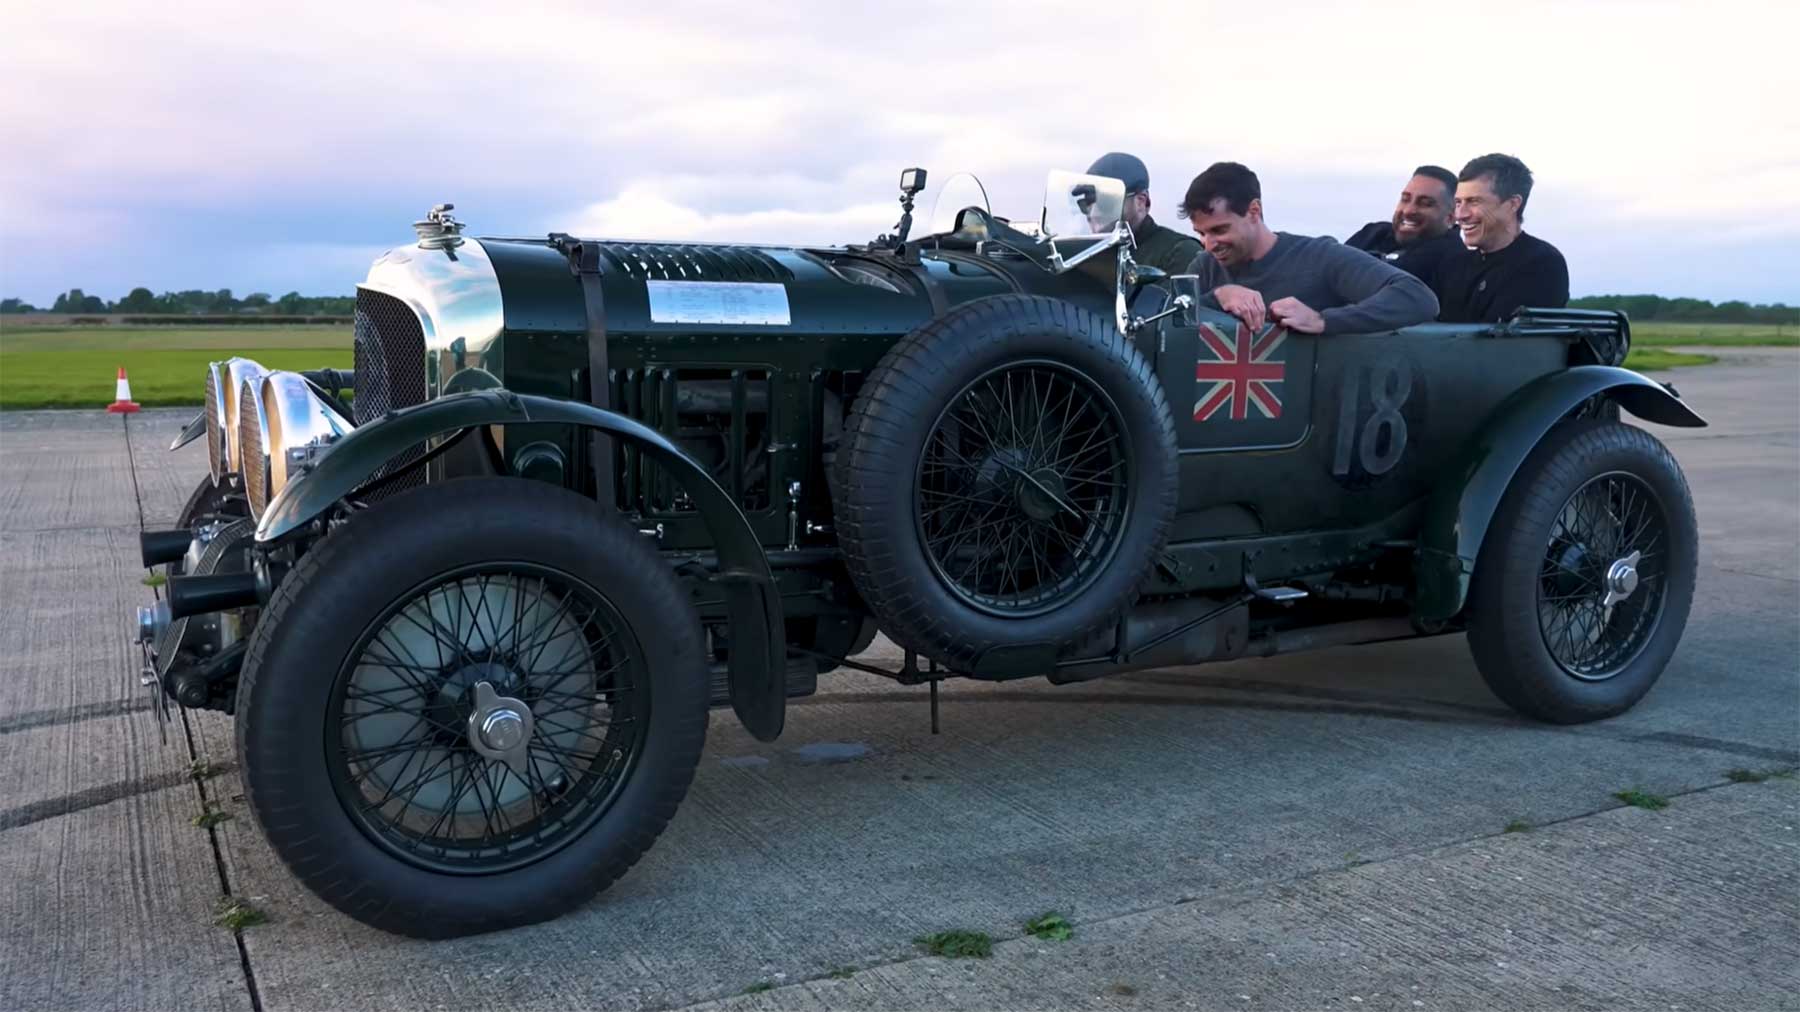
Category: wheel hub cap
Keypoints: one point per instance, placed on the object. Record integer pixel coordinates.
(1621, 579)
(500, 727)
(1040, 494)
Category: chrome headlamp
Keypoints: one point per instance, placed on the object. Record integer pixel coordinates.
(217, 452)
(237, 374)
(286, 425)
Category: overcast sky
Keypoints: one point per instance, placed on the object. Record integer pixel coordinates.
(192, 145)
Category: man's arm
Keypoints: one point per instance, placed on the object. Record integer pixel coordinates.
(1376, 295)
(1218, 292)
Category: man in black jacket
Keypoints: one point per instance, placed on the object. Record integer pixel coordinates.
(1157, 245)
(1420, 234)
(1502, 268)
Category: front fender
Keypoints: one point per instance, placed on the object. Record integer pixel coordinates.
(1463, 504)
(758, 633)
(192, 431)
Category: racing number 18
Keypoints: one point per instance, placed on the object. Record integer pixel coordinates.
(1382, 436)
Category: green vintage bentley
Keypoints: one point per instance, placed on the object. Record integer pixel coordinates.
(471, 603)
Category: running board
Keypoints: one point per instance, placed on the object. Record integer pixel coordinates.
(802, 679)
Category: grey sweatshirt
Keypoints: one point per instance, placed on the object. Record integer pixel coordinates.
(1355, 292)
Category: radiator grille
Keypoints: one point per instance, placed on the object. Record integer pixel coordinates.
(673, 262)
(215, 432)
(256, 473)
(390, 373)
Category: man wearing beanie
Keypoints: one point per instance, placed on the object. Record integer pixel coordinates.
(1157, 245)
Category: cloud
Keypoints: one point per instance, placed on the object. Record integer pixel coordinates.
(228, 126)
(641, 212)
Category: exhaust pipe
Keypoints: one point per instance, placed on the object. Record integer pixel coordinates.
(197, 595)
(158, 547)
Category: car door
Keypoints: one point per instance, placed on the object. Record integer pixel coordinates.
(1282, 432)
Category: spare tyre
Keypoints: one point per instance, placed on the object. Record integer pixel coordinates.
(1006, 483)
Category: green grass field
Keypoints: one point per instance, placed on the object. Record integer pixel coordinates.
(1719, 335)
(76, 367)
(1651, 359)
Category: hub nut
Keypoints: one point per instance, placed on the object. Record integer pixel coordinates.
(502, 730)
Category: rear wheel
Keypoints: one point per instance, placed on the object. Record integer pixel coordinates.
(1583, 586)
(474, 715)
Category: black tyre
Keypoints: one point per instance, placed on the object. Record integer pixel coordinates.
(1584, 582)
(1007, 479)
(432, 631)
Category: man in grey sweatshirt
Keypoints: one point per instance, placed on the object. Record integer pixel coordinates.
(1308, 284)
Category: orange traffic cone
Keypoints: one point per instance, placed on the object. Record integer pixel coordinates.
(123, 404)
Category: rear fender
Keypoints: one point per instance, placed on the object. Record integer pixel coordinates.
(758, 635)
(1463, 504)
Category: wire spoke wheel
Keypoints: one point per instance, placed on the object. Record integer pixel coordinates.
(1604, 576)
(411, 744)
(1023, 488)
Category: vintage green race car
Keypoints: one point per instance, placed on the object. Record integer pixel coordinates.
(471, 623)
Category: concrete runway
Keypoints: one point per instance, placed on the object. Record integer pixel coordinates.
(1320, 830)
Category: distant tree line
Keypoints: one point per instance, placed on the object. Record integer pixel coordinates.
(192, 303)
(197, 303)
(1642, 308)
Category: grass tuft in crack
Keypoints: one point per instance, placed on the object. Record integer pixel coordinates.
(236, 914)
(1642, 799)
(842, 973)
(957, 944)
(1741, 776)
(1518, 826)
(202, 768)
(1051, 927)
(154, 580)
(210, 817)
(759, 987)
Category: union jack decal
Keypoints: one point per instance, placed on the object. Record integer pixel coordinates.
(1239, 373)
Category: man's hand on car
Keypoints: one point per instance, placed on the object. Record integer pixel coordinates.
(1244, 303)
(1298, 316)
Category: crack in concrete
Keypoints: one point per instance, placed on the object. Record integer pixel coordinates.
(212, 836)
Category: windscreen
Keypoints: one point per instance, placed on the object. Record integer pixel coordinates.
(1080, 205)
(958, 192)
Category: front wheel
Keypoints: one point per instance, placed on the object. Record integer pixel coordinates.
(473, 707)
(1584, 582)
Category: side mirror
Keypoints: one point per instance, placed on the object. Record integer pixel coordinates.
(1188, 286)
